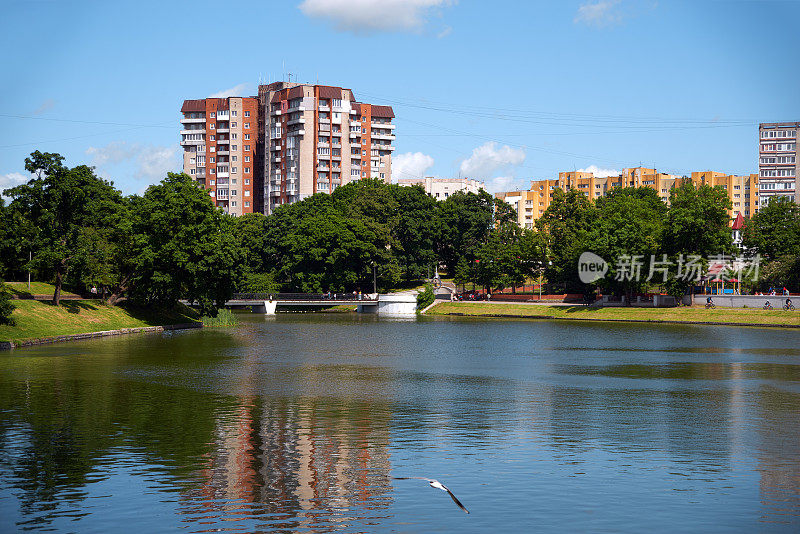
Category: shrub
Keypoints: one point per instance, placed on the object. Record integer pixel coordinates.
(425, 297)
(224, 317)
(6, 308)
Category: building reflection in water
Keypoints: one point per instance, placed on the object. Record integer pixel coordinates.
(295, 463)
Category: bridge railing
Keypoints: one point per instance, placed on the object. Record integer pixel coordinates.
(303, 296)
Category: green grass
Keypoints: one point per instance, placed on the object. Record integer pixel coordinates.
(755, 316)
(20, 289)
(36, 319)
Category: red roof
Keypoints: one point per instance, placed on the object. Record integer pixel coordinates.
(326, 91)
(193, 105)
(739, 222)
(383, 111)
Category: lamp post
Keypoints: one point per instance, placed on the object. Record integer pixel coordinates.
(374, 278)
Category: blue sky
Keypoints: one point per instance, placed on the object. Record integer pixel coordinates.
(503, 91)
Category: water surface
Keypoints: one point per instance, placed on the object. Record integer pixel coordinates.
(295, 423)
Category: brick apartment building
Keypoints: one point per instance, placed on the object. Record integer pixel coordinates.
(289, 142)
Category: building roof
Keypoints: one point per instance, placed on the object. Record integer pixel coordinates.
(193, 105)
(383, 111)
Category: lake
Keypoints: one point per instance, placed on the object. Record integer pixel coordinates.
(296, 422)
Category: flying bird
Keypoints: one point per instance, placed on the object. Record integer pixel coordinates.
(438, 485)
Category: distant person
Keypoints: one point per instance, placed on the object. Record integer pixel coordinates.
(785, 291)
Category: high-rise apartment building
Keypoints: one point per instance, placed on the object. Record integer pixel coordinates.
(219, 138)
(317, 138)
(779, 160)
(293, 140)
(530, 205)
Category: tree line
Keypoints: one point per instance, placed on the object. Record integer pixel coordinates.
(75, 229)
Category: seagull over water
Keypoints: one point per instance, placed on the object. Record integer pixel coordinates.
(438, 485)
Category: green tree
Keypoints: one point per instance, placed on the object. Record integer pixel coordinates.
(697, 221)
(416, 230)
(566, 226)
(775, 230)
(182, 247)
(629, 229)
(73, 211)
(465, 221)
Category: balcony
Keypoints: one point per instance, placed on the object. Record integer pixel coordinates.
(198, 120)
(223, 130)
(275, 159)
(223, 174)
(297, 132)
(193, 142)
(275, 112)
(384, 137)
(301, 120)
(324, 108)
(223, 141)
(223, 115)
(193, 131)
(222, 194)
(223, 152)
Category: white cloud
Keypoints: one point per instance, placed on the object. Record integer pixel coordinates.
(599, 14)
(411, 165)
(488, 159)
(243, 89)
(600, 173)
(13, 179)
(152, 162)
(45, 106)
(368, 16)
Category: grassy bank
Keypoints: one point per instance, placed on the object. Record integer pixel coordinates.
(41, 319)
(752, 316)
(21, 290)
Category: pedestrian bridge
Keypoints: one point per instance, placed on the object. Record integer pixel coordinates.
(267, 303)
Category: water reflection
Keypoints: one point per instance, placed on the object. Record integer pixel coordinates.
(296, 423)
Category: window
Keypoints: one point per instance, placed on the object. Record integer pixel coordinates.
(213, 137)
(247, 125)
(247, 193)
(247, 148)
(246, 204)
(247, 170)
(234, 169)
(233, 192)
(246, 113)
(234, 158)
(233, 203)
(213, 124)
(213, 115)
(246, 180)
(191, 171)
(212, 160)
(246, 159)
(234, 147)
(246, 137)
(234, 136)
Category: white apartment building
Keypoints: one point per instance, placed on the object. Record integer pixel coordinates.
(442, 188)
(778, 161)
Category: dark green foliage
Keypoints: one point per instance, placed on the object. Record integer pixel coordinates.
(775, 230)
(697, 221)
(182, 247)
(6, 307)
(69, 217)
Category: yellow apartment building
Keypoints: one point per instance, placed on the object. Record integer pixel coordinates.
(531, 204)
